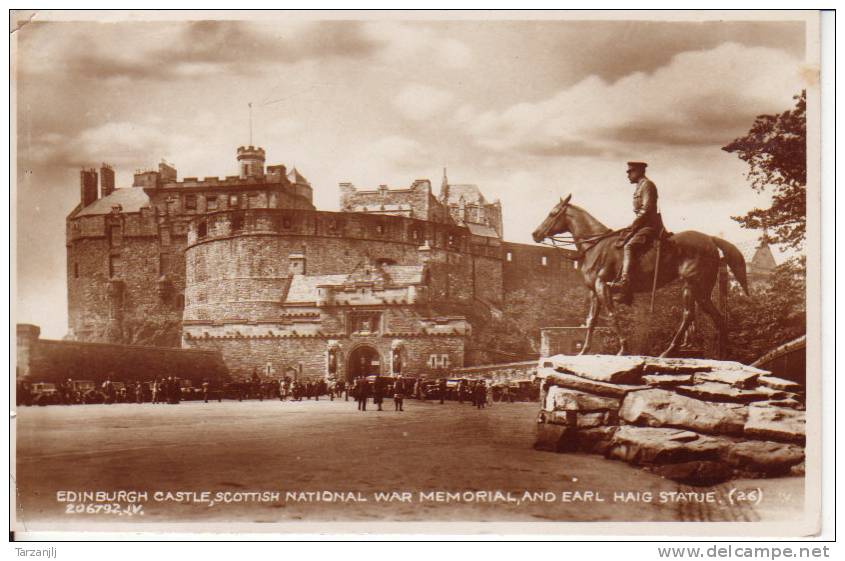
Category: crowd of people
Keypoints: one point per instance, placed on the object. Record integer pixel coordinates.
(172, 390)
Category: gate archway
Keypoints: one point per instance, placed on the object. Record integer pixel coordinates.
(363, 361)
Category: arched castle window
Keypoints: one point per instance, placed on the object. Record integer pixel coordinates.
(509, 256)
(544, 261)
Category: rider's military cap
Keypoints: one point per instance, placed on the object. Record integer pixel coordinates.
(637, 165)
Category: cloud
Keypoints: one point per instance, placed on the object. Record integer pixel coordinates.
(420, 102)
(404, 42)
(164, 51)
(701, 98)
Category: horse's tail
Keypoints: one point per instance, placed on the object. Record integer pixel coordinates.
(734, 259)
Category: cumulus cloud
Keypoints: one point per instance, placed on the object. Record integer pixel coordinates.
(700, 98)
(419, 101)
(163, 51)
(404, 42)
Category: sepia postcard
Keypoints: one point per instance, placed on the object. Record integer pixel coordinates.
(428, 273)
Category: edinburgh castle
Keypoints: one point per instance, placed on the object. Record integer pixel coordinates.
(400, 280)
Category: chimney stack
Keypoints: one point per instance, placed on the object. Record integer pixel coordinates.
(106, 180)
(87, 186)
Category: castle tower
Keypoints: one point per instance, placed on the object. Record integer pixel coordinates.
(251, 161)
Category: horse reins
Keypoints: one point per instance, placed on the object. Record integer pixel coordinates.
(567, 241)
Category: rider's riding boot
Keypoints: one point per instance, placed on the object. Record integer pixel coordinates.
(623, 283)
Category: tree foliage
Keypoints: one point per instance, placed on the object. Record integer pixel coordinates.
(772, 315)
(776, 152)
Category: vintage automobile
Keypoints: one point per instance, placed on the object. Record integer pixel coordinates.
(45, 393)
(86, 391)
(188, 391)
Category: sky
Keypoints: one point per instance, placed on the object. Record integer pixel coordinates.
(528, 110)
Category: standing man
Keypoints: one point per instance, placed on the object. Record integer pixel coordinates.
(646, 227)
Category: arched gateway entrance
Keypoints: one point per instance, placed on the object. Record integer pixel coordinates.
(363, 361)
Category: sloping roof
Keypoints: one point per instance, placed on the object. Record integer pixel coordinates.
(295, 177)
(482, 230)
(470, 193)
(757, 255)
(303, 288)
(131, 199)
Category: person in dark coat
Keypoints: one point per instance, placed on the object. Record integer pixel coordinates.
(399, 395)
(378, 392)
(442, 389)
(363, 393)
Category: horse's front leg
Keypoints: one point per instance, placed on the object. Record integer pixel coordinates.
(606, 299)
(592, 319)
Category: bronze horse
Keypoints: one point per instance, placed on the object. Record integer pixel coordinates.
(690, 256)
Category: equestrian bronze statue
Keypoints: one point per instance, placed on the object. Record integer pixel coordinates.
(690, 256)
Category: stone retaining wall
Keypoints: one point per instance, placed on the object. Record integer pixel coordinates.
(692, 420)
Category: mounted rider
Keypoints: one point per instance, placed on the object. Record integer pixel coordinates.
(645, 229)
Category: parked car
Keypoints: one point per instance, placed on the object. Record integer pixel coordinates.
(45, 393)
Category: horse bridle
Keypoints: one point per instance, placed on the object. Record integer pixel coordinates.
(568, 242)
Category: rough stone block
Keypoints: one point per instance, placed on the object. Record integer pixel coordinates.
(714, 391)
(780, 384)
(655, 365)
(662, 408)
(564, 399)
(646, 446)
(776, 423)
(583, 420)
(770, 458)
(574, 382)
(602, 368)
(735, 378)
(661, 380)
(550, 437)
(593, 440)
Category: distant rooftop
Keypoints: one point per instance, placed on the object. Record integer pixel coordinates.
(130, 199)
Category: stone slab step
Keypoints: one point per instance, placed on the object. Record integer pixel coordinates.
(662, 408)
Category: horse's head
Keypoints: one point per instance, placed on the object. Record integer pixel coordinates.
(555, 223)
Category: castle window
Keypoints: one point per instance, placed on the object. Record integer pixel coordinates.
(202, 230)
(544, 260)
(180, 301)
(415, 235)
(163, 264)
(233, 201)
(286, 223)
(380, 229)
(76, 270)
(116, 235)
(190, 202)
(237, 222)
(114, 266)
(509, 256)
(253, 200)
(211, 203)
(438, 361)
